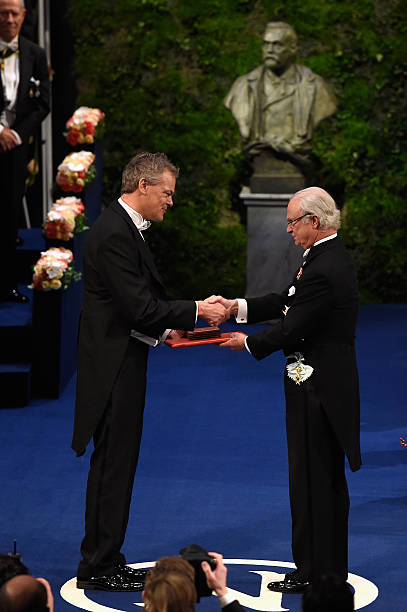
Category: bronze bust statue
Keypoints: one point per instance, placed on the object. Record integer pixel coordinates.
(279, 104)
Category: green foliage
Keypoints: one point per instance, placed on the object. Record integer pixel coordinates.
(160, 69)
(80, 223)
(70, 275)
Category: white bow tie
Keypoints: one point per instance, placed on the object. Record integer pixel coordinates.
(144, 225)
(13, 45)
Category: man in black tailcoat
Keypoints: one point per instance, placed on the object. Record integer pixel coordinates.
(24, 102)
(125, 310)
(316, 331)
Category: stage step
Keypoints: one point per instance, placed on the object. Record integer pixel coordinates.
(16, 351)
(29, 252)
(15, 384)
(15, 329)
(38, 339)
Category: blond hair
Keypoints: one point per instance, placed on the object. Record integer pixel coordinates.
(170, 586)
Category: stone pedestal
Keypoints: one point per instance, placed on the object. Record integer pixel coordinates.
(274, 175)
(272, 257)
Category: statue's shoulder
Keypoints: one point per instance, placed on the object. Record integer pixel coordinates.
(241, 87)
(253, 75)
(305, 73)
(325, 102)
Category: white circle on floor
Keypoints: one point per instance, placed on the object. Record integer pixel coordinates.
(267, 601)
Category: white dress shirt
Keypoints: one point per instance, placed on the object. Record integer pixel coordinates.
(10, 78)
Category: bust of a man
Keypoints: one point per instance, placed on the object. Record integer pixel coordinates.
(280, 103)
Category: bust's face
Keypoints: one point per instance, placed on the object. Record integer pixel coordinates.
(279, 48)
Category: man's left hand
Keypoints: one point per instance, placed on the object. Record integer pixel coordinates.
(235, 342)
(176, 334)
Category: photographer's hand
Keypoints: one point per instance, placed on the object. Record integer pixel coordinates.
(216, 579)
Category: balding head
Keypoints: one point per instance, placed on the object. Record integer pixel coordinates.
(23, 594)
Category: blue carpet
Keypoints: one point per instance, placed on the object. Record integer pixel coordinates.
(213, 471)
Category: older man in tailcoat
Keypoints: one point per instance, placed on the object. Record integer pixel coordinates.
(24, 103)
(316, 331)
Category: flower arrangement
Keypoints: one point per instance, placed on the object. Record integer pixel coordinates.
(65, 218)
(76, 171)
(84, 125)
(54, 270)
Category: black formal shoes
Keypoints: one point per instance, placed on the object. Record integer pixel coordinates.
(120, 581)
(13, 295)
(137, 575)
(292, 583)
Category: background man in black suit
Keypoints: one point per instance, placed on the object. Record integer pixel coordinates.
(316, 331)
(24, 102)
(125, 310)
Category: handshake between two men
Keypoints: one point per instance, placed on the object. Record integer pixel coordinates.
(216, 310)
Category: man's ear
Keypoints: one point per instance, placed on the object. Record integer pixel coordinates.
(142, 185)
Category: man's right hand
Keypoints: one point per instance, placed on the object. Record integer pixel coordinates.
(50, 597)
(216, 579)
(231, 305)
(213, 312)
(7, 139)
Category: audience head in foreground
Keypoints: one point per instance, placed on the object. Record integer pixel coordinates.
(21, 592)
(170, 586)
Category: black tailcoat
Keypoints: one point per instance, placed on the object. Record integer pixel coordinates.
(122, 291)
(32, 106)
(33, 98)
(320, 323)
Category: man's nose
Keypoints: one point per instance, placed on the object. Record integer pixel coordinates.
(169, 201)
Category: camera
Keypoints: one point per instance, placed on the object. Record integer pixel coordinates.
(195, 554)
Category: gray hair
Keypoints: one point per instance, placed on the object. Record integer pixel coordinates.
(281, 25)
(318, 202)
(146, 165)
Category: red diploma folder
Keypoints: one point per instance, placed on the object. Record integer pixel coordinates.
(184, 342)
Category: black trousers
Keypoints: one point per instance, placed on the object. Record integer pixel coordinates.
(113, 466)
(13, 171)
(319, 495)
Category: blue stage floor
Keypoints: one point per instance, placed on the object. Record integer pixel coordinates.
(213, 471)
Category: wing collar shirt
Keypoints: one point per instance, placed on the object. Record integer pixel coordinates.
(142, 225)
(241, 316)
(10, 78)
